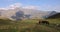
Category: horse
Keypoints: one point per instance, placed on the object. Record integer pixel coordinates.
(43, 22)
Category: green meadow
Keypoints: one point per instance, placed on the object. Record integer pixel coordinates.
(30, 25)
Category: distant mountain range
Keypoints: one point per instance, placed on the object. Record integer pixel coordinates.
(19, 13)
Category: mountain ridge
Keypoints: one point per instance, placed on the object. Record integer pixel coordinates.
(34, 13)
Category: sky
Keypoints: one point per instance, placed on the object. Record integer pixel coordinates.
(46, 5)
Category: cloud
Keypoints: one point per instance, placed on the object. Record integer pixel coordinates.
(20, 5)
(12, 6)
(31, 7)
(16, 5)
(44, 7)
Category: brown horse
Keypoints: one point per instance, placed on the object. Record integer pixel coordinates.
(43, 22)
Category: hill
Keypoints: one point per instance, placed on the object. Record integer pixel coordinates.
(54, 16)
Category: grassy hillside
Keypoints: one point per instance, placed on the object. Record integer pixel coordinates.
(56, 21)
(27, 26)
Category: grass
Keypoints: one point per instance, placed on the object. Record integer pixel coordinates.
(28, 26)
(56, 21)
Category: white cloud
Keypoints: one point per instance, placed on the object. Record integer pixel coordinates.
(16, 5)
(42, 7)
(12, 6)
(20, 5)
(31, 7)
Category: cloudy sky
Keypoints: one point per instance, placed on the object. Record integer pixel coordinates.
(46, 5)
